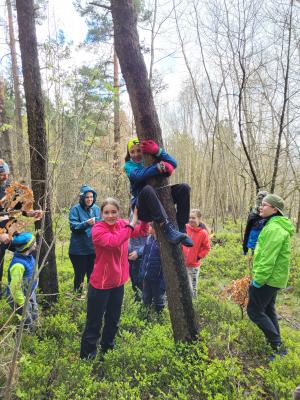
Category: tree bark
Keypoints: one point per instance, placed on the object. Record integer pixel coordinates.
(285, 101)
(16, 83)
(37, 140)
(147, 124)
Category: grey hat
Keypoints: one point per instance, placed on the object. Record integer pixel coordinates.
(260, 196)
(275, 201)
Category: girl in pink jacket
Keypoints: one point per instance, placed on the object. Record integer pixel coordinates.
(111, 271)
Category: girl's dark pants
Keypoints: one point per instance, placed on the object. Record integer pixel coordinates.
(83, 265)
(261, 310)
(101, 303)
(151, 209)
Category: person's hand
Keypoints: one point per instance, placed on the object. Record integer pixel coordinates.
(37, 214)
(165, 168)
(91, 221)
(150, 147)
(133, 256)
(4, 238)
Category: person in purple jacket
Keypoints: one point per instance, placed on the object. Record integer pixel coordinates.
(144, 196)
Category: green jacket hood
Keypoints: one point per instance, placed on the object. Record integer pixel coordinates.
(284, 222)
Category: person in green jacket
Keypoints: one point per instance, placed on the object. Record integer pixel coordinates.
(20, 273)
(271, 264)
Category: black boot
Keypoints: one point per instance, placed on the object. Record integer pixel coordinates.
(175, 237)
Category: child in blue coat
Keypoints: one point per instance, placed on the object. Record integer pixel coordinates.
(135, 252)
(154, 290)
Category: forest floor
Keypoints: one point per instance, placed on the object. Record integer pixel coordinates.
(229, 361)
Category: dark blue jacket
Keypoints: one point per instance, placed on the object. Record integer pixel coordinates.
(81, 232)
(254, 225)
(138, 174)
(151, 268)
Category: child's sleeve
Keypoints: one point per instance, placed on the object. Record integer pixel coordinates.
(141, 174)
(205, 245)
(108, 239)
(16, 274)
(164, 156)
(141, 229)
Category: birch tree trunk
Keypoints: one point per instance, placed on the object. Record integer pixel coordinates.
(16, 83)
(5, 132)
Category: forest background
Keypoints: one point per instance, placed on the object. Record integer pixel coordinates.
(225, 78)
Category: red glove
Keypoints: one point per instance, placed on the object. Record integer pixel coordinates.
(150, 147)
(165, 168)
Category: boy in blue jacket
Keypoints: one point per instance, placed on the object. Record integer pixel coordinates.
(20, 272)
(135, 252)
(154, 290)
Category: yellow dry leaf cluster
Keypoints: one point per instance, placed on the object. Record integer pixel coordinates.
(18, 195)
(18, 198)
(237, 291)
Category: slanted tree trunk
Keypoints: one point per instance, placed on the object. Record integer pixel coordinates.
(37, 139)
(5, 132)
(147, 124)
(16, 83)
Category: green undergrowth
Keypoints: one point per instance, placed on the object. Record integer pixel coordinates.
(228, 361)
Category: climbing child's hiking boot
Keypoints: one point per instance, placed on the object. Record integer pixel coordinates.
(175, 237)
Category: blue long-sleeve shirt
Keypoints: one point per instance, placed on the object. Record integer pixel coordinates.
(138, 174)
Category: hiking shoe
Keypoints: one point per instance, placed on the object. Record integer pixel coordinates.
(280, 352)
(187, 241)
(173, 236)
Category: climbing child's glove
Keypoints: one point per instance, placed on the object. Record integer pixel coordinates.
(165, 168)
(150, 147)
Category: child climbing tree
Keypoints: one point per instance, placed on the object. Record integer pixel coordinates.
(147, 124)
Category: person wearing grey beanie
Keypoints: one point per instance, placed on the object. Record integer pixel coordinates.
(5, 243)
(254, 225)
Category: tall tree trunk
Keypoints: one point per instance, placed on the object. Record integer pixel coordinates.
(5, 132)
(16, 83)
(285, 101)
(37, 139)
(147, 124)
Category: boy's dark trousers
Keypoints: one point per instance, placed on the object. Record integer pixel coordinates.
(154, 292)
(134, 273)
(83, 265)
(151, 209)
(261, 310)
(101, 303)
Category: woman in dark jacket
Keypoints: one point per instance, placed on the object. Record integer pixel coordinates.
(81, 252)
